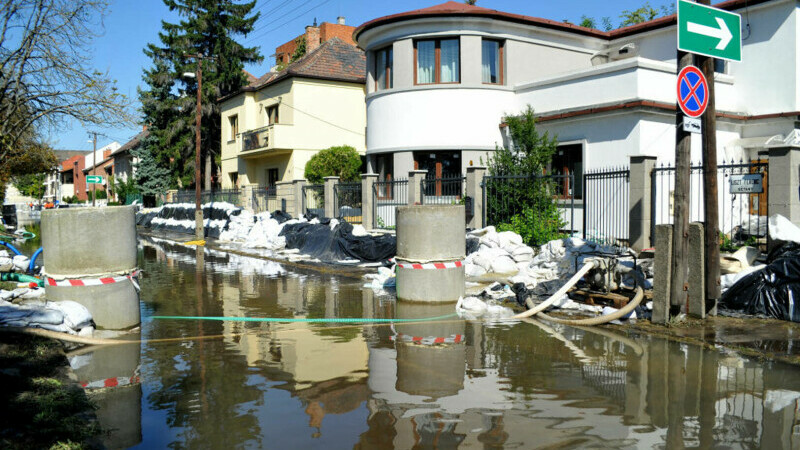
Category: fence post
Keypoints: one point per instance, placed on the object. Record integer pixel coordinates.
(171, 194)
(367, 200)
(296, 204)
(246, 197)
(697, 281)
(475, 176)
(784, 179)
(330, 196)
(640, 202)
(663, 274)
(415, 193)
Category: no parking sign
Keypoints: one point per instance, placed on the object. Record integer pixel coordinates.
(692, 91)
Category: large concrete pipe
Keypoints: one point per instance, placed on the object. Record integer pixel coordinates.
(90, 254)
(431, 246)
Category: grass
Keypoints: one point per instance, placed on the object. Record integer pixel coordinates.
(47, 413)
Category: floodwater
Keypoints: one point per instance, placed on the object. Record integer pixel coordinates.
(335, 385)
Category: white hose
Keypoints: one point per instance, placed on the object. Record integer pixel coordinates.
(601, 319)
(589, 265)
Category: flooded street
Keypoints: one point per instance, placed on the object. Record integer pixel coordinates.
(443, 382)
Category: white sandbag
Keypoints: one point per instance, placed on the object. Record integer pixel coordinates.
(473, 270)
(21, 262)
(482, 231)
(471, 305)
(76, 316)
(5, 254)
(33, 293)
(359, 230)
(504, 265)
(508, 238)
(782, 229)
(6, 264)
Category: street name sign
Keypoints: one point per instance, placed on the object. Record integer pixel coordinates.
(94, 179)
(692, 91)
(751, 183)
(708, 31)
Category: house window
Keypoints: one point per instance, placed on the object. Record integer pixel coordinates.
(720, 66)
(272, 177)
(234, 177)
(492, 61)
(437, 61)
(383, 68)
(568, 160)
(272, 115)
(234, 122)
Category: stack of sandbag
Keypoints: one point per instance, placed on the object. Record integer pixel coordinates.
(498, 253)
(255, 231)
(65, 316)
(16, 263)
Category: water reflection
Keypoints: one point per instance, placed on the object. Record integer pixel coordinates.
(443, 383)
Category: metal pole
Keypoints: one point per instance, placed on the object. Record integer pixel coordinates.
(198, 210)
(94, 165)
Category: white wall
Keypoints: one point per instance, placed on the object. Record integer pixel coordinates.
(88, 159)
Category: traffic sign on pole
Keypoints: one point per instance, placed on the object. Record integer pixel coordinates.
(708, 31)
(94, 179)
(692, 91)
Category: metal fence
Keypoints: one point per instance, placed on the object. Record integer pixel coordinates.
(314, 199)
(448, 190)
(507, 196)
(348, 202)
(605, 206)
(265, 199)
(386, 197)
(217, 195)
(742, 216)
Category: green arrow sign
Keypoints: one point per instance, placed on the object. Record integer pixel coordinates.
(709, 31)
(94, 179)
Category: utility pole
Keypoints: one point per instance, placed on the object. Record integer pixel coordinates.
(711, 201)
(94, 164)
(680, 232)
(198, 210)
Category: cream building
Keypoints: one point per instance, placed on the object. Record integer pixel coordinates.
(273, 126)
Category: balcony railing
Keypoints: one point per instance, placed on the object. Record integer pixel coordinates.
(255, 139)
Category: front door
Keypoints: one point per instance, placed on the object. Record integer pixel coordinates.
(758, 202)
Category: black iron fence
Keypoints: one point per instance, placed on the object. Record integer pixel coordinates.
(387, 195)
(606, 194)
(448, 190)
(217, 195)
(347, 204)
(742, 196)
(265, 199)
(314, 199)
(529, 199)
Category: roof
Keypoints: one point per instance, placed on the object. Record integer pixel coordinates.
(453, 8)
(332, 60)
(63, 155)
(133, 143)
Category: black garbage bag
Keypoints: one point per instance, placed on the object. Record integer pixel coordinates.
(772, 291)
(473, 245)
(281, 216)
(326, 244)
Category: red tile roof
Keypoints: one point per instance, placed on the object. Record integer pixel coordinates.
(453, 8)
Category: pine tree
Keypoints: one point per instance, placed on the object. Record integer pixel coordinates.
(150, 177)
(208, 28)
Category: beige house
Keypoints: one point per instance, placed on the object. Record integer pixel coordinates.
(273, 126)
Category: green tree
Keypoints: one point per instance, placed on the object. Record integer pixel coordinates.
(587, 22)
(31, 185)
(209, 28)
(122, 188)
(26, 159)
(639, 15)
(470, 2)
(300, 49)
(151, 179)
(342, 161)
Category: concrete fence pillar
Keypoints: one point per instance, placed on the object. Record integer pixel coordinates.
(330, 196)
(415, 193)
(475, 176)
(640, 201)
(784, 182)
(171, 194)
(367, 200)
(246, 197)
(697, 273)
(284, 191)
(663, 274)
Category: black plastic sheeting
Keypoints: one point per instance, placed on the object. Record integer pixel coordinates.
(319, 241)
(772, 291)
(185, 214)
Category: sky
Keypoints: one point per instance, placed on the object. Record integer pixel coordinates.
(131, 24)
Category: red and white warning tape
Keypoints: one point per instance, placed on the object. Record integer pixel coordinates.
(429, 340)
(111, 382)
(93, 281)
(428, 266)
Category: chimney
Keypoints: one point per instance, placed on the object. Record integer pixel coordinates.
(106, 153)
(144, 127)
(312, 38)
(340, 20)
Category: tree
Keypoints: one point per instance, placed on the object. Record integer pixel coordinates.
(123, 188)
(529, 151)
(151, 179)
(587, 22)
(342, 161)
(26, 158)
(46, 77)
(470, 2)
(208, 28)
(639, 15)
(300, 49)
(31, 185)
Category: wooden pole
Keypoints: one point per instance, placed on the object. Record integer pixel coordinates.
(94, 165)
(711, 199)
(198, 210)
(680, 235)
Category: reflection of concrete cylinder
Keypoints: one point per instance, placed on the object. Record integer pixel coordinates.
(119, 406)
(90, 244)
(430, 239)
(434, 370)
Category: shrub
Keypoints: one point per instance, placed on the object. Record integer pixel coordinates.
(536, 227)
(342, 161)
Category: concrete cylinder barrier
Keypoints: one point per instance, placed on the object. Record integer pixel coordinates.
(90, 256)
(431, 246)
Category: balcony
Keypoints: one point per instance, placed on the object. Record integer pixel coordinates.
(256, 139)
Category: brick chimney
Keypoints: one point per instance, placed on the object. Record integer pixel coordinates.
(312, 38)
(340, 20)
(106, 153)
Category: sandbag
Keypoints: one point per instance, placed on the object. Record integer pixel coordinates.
(772, 291)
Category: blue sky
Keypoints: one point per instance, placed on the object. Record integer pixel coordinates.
(131, 24)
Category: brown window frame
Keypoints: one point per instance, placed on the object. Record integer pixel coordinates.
(501, 62)
(387, 69)
(268, 110)
(437, 64)
(233, 121)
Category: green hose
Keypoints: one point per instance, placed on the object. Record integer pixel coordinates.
(305, 320)
(21, 278)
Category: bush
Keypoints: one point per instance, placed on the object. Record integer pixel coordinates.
(342, 161)
(536, 227)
